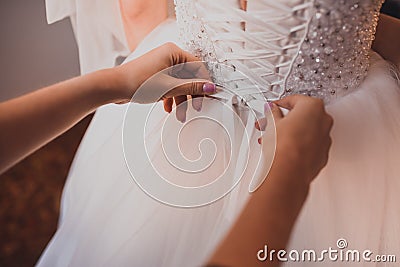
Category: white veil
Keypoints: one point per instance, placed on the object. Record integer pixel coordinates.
(98, 29)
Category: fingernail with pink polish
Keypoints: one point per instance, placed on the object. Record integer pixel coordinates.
(209, 88)
(182, 119)
(268, 106)
(271, 105)
(196, 103)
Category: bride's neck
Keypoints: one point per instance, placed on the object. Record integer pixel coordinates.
(140, 17)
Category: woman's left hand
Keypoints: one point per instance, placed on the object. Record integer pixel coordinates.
(130, 76)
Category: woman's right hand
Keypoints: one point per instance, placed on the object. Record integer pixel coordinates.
(302, 148)
(303, 135)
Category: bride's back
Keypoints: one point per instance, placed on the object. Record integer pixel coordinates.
(319, 48)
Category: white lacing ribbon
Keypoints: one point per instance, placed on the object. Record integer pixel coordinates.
(260, 43)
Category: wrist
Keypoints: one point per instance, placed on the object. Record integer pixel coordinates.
(111, 86)
(288, 174)
(295, 160)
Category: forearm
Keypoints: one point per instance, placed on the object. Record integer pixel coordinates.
(30, 121)
(387, 41)
(301, 152)
(267, 219)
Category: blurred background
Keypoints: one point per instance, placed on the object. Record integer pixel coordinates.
(33, 55)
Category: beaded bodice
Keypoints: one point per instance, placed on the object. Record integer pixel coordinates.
(319, 48)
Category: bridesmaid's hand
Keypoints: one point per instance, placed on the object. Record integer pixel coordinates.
(269, 215)
(130, 76)
(63, 104)
(303, 136)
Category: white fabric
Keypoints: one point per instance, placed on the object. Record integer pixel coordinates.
(285, 47)
(108, 221)
(262, 41)
(98, 29)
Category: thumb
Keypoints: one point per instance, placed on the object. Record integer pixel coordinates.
(192, 87)
(270, 110)
(291, 101)
(275, 110)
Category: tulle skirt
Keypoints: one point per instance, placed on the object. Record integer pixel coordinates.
(108, 220)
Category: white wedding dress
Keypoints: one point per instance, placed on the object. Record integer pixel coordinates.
(320, 48)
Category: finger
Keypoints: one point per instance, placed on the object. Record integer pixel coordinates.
(291, 101)
(168, 102)
(181, 108)
(277, 114)
(174, 54)
(192, 87)
(181, 56)
(197, 102)
(194, 70)
(190, 63)
(184, 61)
(243, 4)
(275, 110)
(261, 124)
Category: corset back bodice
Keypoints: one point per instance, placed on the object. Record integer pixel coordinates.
(318, 48)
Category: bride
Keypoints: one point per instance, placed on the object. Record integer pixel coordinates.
(320, 48)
